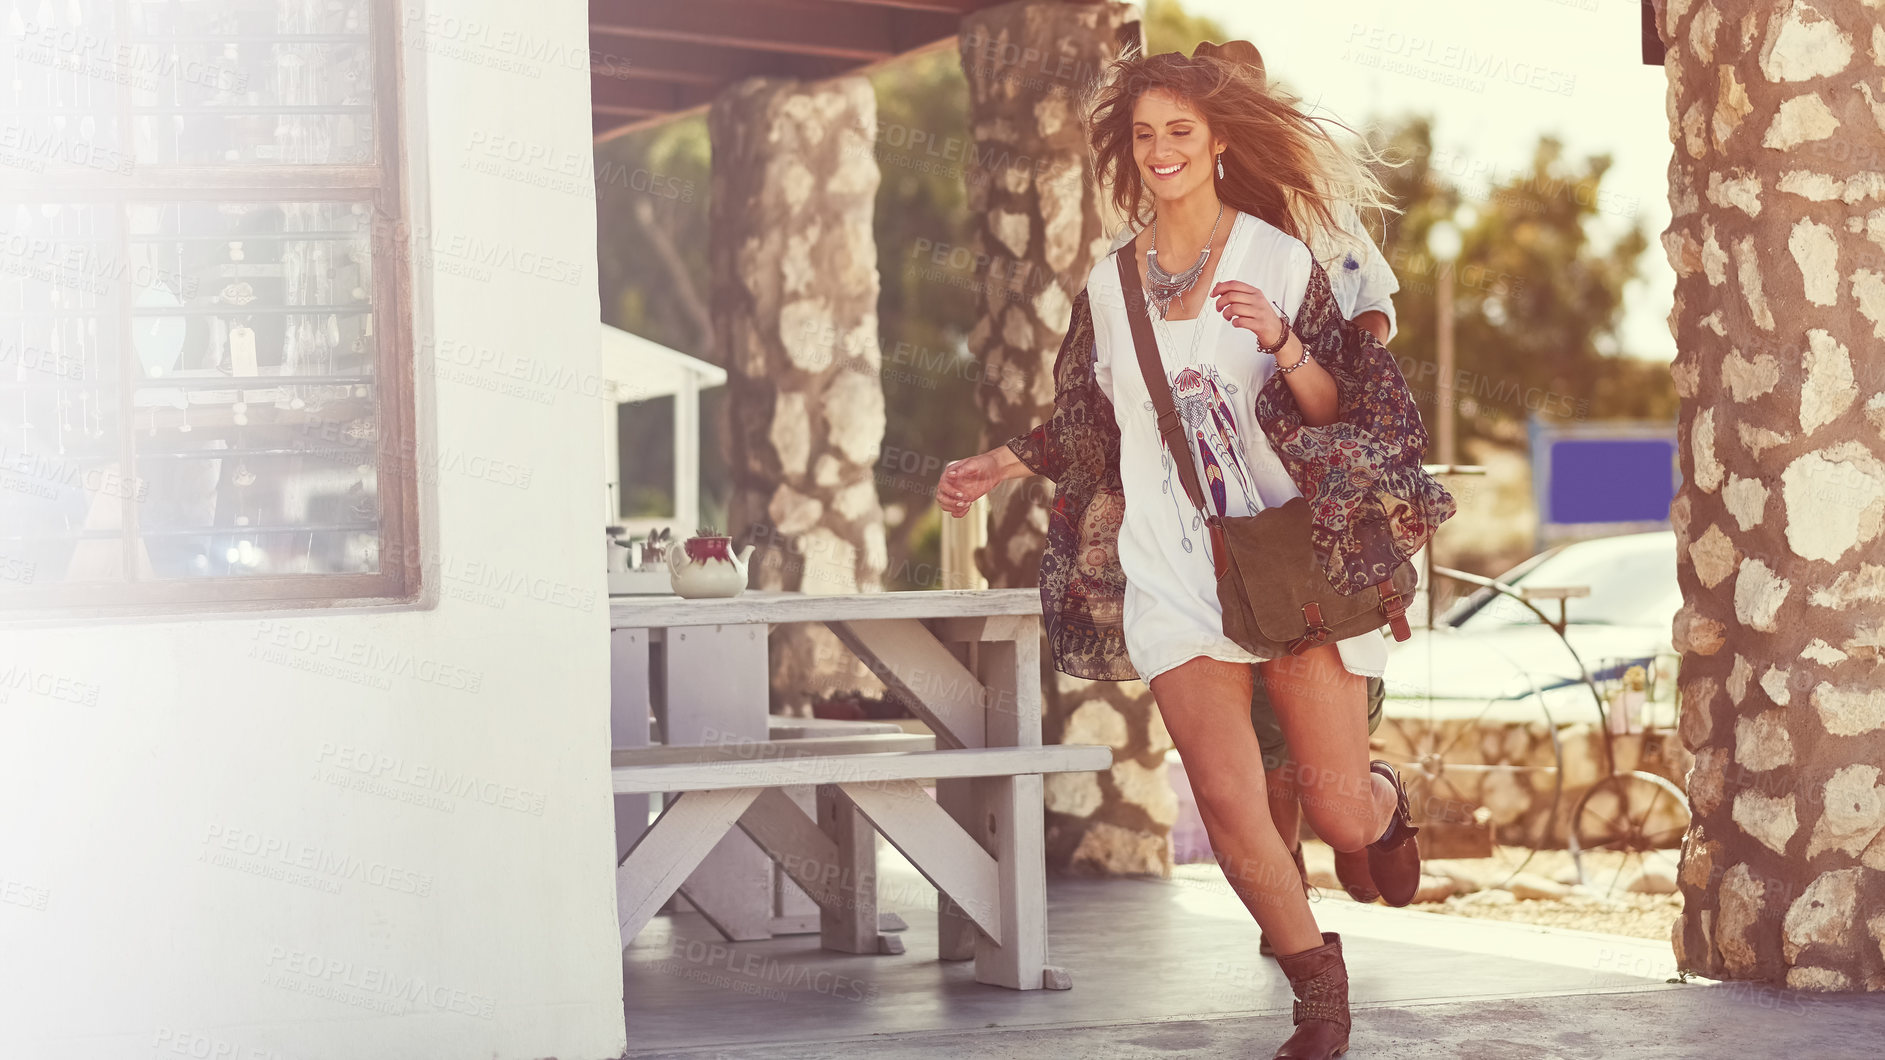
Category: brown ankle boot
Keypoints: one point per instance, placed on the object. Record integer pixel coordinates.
(1263, 941)
(1320, 981)
(1394, 859)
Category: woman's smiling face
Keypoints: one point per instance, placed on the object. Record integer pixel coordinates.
(1171, 145)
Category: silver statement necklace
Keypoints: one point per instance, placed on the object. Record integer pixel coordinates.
(1166, 286)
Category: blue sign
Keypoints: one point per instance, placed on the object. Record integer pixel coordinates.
(1600, 478)
(1601, 481)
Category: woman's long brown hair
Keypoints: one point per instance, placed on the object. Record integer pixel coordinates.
(1280, 163)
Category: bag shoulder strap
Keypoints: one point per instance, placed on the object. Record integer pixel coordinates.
(1154, 371)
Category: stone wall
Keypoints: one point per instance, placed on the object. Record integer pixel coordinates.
(794, 268)
(1032, 68)
(1777, 114)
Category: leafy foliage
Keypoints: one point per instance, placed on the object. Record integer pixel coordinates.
(1538, 300)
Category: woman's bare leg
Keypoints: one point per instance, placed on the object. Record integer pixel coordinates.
(1280, 789)
(1206, 707)
(1322, 709)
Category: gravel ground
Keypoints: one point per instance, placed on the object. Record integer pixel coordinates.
(1487, 888)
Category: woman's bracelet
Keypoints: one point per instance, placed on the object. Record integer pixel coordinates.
(1300, 361)
(1280, 339)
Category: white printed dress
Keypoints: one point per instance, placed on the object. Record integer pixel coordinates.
(1214, 371)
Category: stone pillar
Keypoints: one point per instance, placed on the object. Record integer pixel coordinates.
(1777, 113)
(1033, 67)
(794, 267)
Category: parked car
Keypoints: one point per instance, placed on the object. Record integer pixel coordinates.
(1489, 656)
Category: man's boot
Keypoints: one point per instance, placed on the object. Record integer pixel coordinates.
(1394, 859)
(1351, 867)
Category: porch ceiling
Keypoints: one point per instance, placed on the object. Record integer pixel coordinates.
(652, 59)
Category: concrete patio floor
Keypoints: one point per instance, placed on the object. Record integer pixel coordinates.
(1170, 968)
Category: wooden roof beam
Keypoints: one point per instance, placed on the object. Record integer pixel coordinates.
(649, 96)
(706, 64)
(957, 8)
(841, 29)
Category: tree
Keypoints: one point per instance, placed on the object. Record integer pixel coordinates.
(1169, 28)
(1536, 299)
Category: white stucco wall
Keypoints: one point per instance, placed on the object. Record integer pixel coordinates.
(141, 834)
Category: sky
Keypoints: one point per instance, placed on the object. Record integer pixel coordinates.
(1495, 74)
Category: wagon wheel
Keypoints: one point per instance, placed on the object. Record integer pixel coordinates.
(1640, 816)
(1445, 793)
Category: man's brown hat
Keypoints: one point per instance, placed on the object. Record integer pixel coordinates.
(1237, 51)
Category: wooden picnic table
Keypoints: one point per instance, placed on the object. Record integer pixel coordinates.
(966, 661)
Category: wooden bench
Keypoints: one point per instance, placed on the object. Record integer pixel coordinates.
(995, 879)
(771, 750)
(783, 728)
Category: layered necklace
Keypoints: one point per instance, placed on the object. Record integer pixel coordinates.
(1165, 286)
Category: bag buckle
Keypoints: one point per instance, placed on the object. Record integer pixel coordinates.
(1316, 634)
(1394, 607)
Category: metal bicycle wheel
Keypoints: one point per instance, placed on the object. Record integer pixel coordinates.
(1639, 817)
(1445, 794)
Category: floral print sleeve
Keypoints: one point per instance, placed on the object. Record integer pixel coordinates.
(1374, 505)
(1074, 433)
(1082, 586)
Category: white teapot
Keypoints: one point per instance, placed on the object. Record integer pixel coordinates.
(705, 566)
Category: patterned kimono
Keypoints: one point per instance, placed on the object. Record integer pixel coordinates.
(1373, 504)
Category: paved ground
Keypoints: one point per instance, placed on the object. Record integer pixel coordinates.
(1163, 969)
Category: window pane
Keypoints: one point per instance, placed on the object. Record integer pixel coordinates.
(255, 512)
(280, 294)
(60, 414)
(268, 81)
(253, 398)
(244, 288)
(60, 78)
(191, 382)
(264, 81)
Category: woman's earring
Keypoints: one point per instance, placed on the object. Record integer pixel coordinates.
(1220, 165)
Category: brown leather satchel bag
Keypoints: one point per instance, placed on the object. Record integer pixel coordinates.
(1273, 591)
